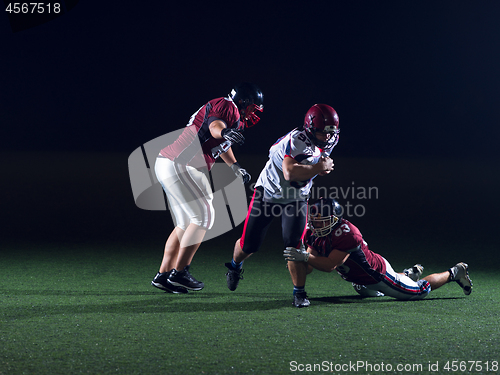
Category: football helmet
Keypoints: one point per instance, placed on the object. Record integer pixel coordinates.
(324, 215)
(249, 99)
(322, 118)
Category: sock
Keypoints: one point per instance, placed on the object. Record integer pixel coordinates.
(236, 266)
(298, 289)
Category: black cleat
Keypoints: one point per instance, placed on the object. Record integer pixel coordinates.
(233, 276)
(300, 300)
(160, 282)
(185, 279)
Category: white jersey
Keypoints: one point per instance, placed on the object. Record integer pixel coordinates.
(296, 145)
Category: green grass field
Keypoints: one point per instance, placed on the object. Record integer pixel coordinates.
(70, 309)
(76, 296)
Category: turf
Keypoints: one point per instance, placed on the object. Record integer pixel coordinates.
(89, 308)
(76, 295)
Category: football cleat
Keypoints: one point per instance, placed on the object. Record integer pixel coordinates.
(460, 274)
(160, 282)
(365, 292)
(233, 276)
(414, 272)
(300, 300)
(185, 279)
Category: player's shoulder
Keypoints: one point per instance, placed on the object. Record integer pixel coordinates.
(345, 229)
(352, 228)
(223, 105)
(222, 101)
(284, 141)
(348, 223)
(299, 140)
(298, 134)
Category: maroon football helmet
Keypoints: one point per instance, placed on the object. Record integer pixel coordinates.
(322, 118)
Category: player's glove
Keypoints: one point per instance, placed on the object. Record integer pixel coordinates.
(238, 171)
(296, 255)
(233, 136)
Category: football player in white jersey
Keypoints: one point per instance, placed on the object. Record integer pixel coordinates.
(283, 187)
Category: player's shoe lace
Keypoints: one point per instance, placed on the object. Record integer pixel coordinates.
(414, 272)
(233, 276)
(460, 274)
(185, 279)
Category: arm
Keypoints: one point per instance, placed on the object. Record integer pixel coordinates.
(219, 130)
(228, 157)
(216, 128)
(312, 258)
(327, 264)
(294, 171)
(230, 160)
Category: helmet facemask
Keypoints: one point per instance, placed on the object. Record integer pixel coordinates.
(324, 216)
(249, 99)
(248, 115)
(324, 144)
(322, 118)
(322, 226)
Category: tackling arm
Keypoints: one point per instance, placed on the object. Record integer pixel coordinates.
(312, 258)
(294, 171)
(327, 264)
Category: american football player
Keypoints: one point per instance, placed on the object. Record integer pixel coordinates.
(182, 168)
(333, 243)
(284, 184)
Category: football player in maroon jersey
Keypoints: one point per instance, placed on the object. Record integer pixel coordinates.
(333, 243)
(182, 169)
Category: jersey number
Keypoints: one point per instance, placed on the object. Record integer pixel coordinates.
(344, 228)
(304, 139)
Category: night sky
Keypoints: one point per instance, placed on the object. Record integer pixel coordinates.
(410, 81)
(407, 78)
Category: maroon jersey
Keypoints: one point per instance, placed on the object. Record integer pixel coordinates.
(363, 266)
(186, 149)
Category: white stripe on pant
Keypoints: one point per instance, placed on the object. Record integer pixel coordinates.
(398, 286)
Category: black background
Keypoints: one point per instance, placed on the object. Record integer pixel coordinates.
(415, 84)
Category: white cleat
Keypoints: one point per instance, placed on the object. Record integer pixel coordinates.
(414, 272)
(460, 274)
